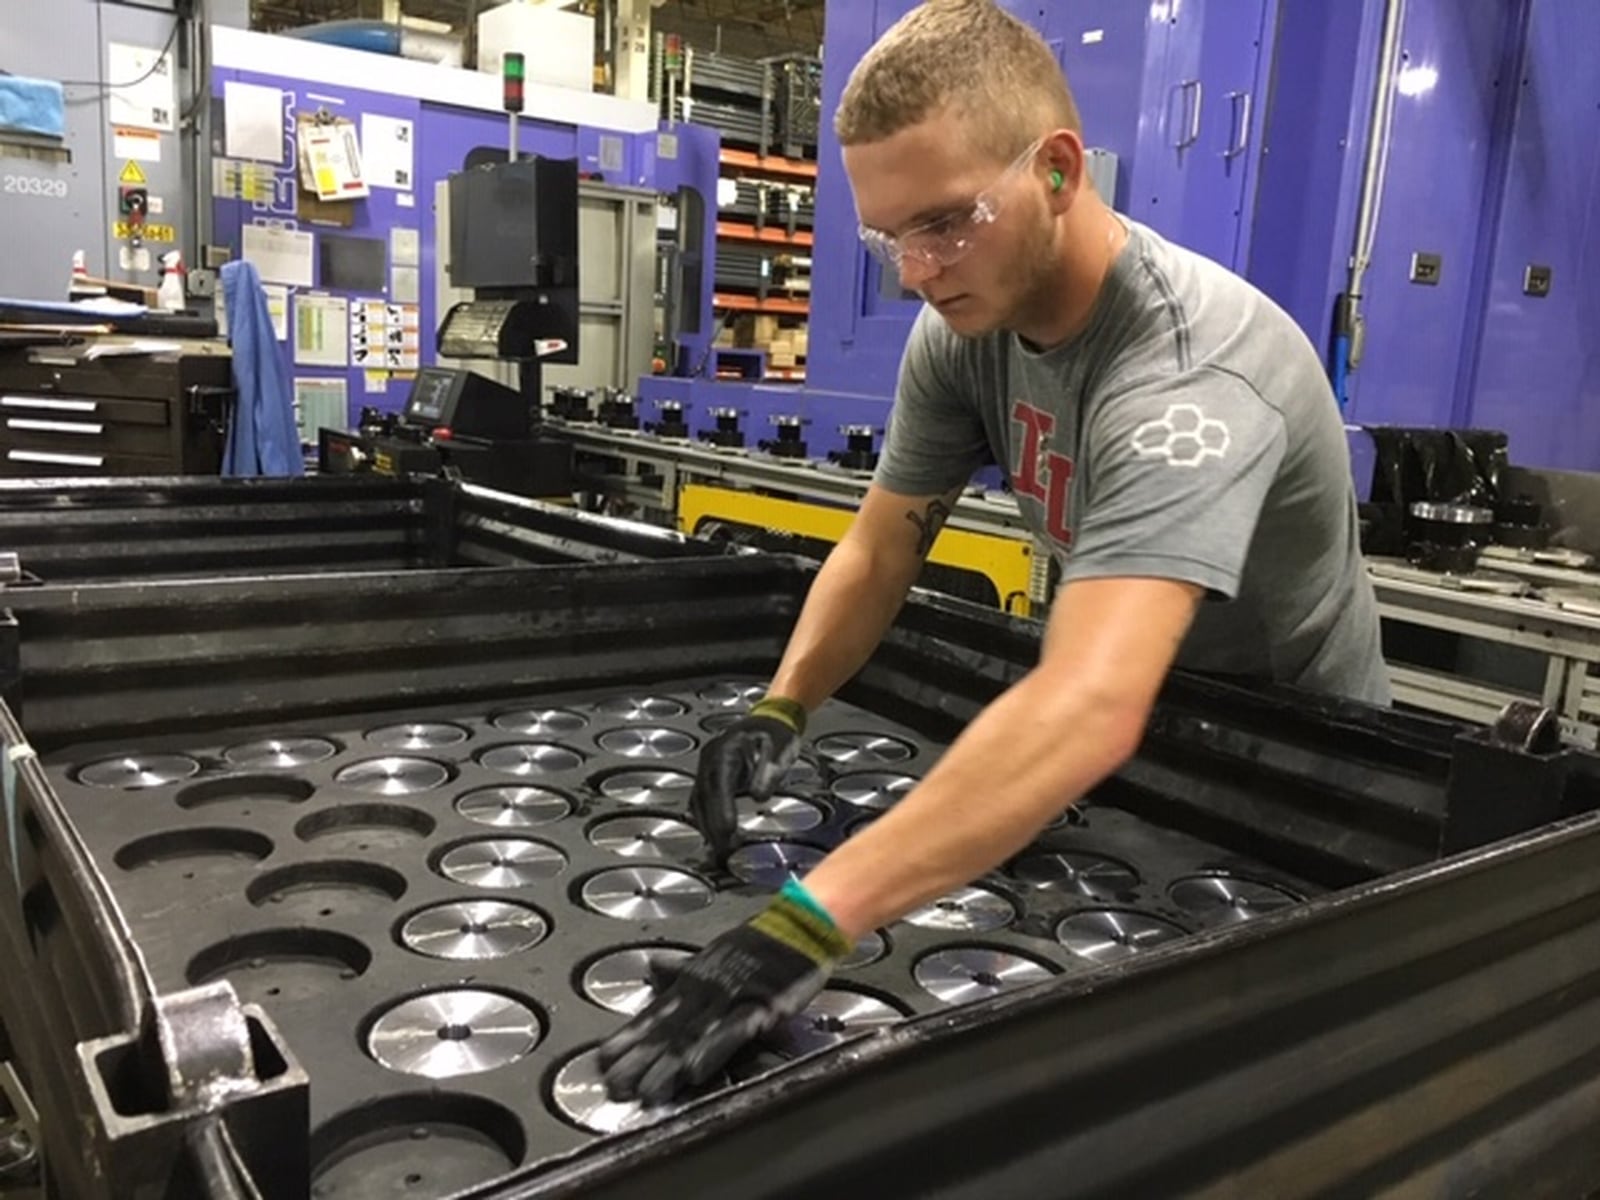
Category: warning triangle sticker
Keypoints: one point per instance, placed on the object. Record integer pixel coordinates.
(131, 173)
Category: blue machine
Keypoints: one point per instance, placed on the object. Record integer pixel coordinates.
(1241, 129)
(417, 124)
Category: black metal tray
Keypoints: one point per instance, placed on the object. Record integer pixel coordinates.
(1431, 996)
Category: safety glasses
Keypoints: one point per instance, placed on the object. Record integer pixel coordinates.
(945, 240)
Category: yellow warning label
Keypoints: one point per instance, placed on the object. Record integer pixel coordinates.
(151, 233)
(132, 173)
(382, 463)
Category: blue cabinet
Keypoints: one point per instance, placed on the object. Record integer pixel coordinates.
(1199, 128)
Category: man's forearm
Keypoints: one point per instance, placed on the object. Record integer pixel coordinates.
(1026, 757)
(851, 604)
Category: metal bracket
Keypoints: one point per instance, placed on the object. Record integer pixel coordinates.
(1506, 779)
(205, 1100)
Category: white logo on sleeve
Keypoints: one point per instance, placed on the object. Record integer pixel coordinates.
(1184, 436)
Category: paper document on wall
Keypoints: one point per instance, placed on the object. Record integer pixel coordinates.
(387, 147)
(252, 122)
(331, 156)
(280, 255)
(139, 87)
(321, 331)
(320, 404)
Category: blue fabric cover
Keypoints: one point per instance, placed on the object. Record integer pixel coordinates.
(32, 106)
(263, 438)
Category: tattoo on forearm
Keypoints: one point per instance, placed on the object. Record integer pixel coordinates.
(928, 523)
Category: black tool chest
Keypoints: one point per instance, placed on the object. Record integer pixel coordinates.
(160, 414)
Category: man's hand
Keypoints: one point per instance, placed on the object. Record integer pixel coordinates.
(749, 758)
(743, 984)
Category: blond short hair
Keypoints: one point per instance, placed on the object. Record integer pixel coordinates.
(969, 56)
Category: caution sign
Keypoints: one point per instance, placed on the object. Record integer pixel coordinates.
(132, 174)
(150, 233)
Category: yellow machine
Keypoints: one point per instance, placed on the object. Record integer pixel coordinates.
(1007, 564)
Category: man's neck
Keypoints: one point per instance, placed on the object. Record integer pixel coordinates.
(1088, 243)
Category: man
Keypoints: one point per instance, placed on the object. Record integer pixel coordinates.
(1168, 432)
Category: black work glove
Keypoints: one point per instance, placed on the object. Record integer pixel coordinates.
(743, 984)
(749, 758)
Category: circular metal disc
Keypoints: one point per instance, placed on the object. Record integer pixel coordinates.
(280, 754)
(1228, 898)
(646, 741)
(833, 1016)
(642, 708)
(393, 775)
(647, 837)
(579, 1094)
(729, 694)
(138, 771)
(530, 758)
(873, 789)
(779, 816)
(769, 864)
(966, 910)
(502, 862)
(513, 805)
(964, 973)
(622, 980)
(869, 949)
(474, 929)
(1092, 875)
(645, 893)
(718, 721)
(446, 1034)
(418, 735)
(864, 749)
(1106, 935)
(648, 787)
(540, 722)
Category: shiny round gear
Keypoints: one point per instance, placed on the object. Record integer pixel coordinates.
(447, 1034)
(873, 790)
(1229, 899)
(1093, 875)
(393, 775)
(530, 758)
(642, 708)
(624, 981)
(646, 741)
(513, 805)
(501, 862)
(961, 974)
(835, 1014)
(540, 722)
(280, 754)
(645, 893)
(135, 772)
(779, 817)
(473, 930)
(647, 837)
(864, 749)
(1109, 935)
(418, 735)
(648, 788)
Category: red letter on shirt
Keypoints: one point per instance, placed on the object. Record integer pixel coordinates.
(1036, 426)
(1058, 509)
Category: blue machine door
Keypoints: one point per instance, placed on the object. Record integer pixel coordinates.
(1209, 122)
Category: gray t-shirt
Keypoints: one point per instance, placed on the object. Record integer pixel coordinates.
(1188, 433)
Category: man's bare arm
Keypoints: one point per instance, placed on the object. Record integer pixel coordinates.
(858, 591)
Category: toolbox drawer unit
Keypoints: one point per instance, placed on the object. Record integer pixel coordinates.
(159, 415)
